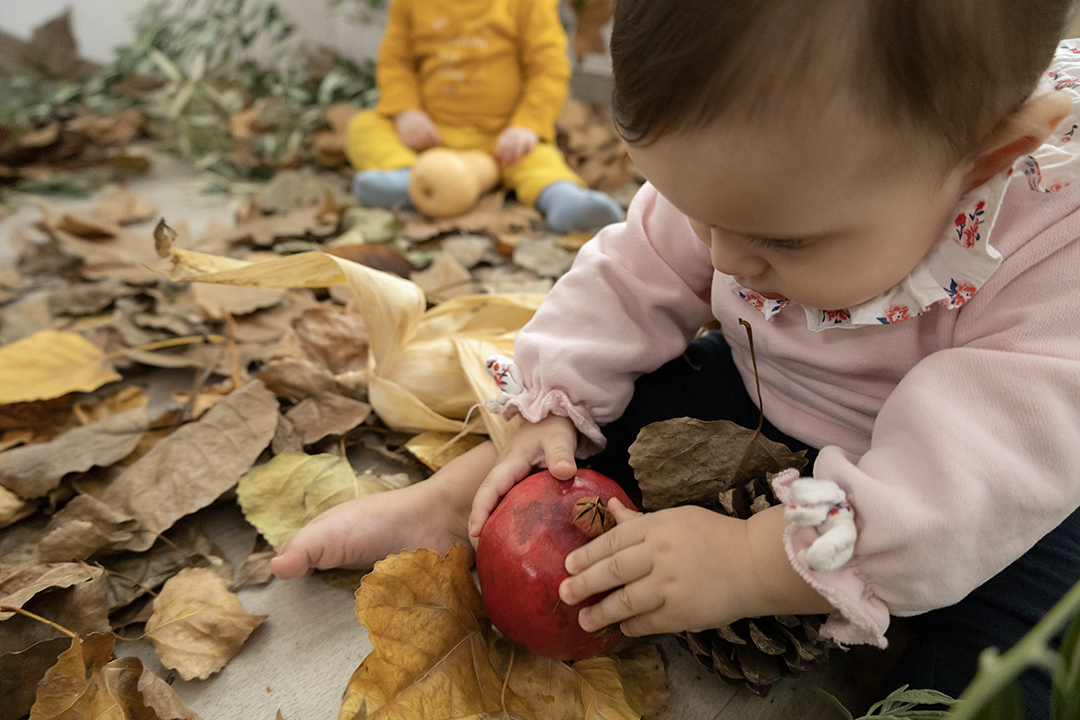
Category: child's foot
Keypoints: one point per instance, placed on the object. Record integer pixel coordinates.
(383, 188)
(433, 514)
(570, 207)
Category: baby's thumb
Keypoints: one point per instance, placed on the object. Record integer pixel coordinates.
(289, 564)
(560, 461)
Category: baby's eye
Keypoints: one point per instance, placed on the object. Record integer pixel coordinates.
(777, 243)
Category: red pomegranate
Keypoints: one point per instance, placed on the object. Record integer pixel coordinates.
(521, 556)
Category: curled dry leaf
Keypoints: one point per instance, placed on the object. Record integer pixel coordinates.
(49, 364)
(86, 682)
(33, 471)
(686, 460)
(291, 490)
(426, 620)
(21, 583)
(81, 528)
(13, 508)
(198, 625)
(193, 466)
(434, 449)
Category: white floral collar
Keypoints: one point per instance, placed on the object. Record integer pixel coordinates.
(962, 260)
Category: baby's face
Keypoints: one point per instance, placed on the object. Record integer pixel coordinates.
(828, 213)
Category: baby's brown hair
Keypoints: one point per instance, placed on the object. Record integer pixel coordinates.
(955, 68)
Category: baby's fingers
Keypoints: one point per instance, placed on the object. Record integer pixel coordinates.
(498, 482)
(621, 568)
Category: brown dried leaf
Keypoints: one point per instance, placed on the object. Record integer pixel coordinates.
(426, 620)
(604, 692)
(255, 570)
(375, 255)
(644, 666)
(89, 682)
(327, 414)
(191, 468)
(446, 278)
(20, 673)
(491, 215)
(50, 364)
(198, 625)
(81, 528)
(550, 688)
(684, 460)
(119, 204)
(19, 584)
(431, 447)
(33, 471)
(13, 508)
(218, 300)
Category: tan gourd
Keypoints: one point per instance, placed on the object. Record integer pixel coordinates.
(448, 182)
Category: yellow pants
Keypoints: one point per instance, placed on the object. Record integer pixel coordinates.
(373, 144)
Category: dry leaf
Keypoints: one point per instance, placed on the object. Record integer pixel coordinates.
(446, 278)
(550, 688)
(87, 683)
(644, 666)
(427, 623)
(130, 398)
(685, 460)
(50, 364)
(81, 528)
(24, 318)
(326, 414)
(489, 216)
(20, 673)
(256, 569)
(21, 583)
(13, 508)
(198, 625)
(544, 256)
(435, 450)
(191, 468)
(374, 255)
(291, 490)
(218, 300)
(34, 470)
(603, 691)
(118, 203)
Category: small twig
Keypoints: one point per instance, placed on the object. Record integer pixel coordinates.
(162, 344)
(27, 613)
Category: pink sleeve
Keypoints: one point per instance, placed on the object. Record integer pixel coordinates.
(974, 455)
(635, 297)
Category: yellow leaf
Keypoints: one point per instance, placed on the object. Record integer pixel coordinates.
(603, 692)
(288, 492)
(198, 625)
(49, 364)
(87, 683)
(427, 623)
(431, 448)
(550, 688)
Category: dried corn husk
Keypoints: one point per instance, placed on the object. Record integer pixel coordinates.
(425, 367)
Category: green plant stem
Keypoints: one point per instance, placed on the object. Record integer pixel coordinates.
(996, 671)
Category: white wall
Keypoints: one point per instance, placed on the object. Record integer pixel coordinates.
(101, 25)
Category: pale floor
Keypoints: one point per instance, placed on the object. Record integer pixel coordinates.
(300, 660)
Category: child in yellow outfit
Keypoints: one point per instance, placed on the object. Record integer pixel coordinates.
(474, 74)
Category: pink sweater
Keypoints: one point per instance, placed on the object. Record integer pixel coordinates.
(955, 433)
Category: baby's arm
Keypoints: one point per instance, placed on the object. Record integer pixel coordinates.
(399, 84)
(546, 69)
(686, 568)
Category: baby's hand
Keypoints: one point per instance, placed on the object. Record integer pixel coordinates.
(514, 143)
(549, 442)
(683, 568)
(416, 130)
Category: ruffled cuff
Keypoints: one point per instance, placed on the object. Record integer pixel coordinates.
(861, 617)
(535, 407)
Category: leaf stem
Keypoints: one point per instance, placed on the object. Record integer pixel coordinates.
(995, 670)
(27, 613)
(171, 342)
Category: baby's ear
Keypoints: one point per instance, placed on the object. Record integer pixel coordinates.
(1019, 134)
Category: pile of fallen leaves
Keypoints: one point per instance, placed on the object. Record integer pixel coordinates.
(148, 374)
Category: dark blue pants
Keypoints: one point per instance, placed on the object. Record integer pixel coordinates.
(941, 647)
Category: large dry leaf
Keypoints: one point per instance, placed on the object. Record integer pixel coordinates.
(49, 364)
(684, 460)
(550, 688)
(219, 300)
(20, 673)
(327, 414)
(644, 666)
(13, 508)
(426, 620)
(435, 449)
(87, 682)
(415, 377)
(33, 471)
(191, 468)
(198, 625)
(291, 490)
(120, 204)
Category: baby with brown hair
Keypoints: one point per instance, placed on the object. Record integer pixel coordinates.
(887, 191)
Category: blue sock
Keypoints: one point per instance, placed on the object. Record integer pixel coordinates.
(383, 188)
(570, 207)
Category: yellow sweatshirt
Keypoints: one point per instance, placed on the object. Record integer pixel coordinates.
(481, 63)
